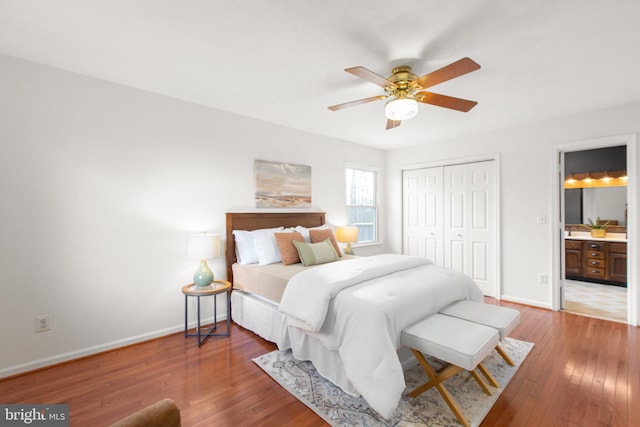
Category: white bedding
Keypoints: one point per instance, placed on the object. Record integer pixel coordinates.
(358, 309)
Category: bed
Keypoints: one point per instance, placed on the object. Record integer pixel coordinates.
(345, 317)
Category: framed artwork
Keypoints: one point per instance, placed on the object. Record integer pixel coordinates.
(282, 185)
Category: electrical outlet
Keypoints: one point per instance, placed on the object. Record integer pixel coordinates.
(43, 323)
(543, 279)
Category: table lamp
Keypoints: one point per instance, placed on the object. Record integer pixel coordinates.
(347, 235)
(203, 246)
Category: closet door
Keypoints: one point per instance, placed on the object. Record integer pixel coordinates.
(423, 224)
(456, 224)
(470, 208)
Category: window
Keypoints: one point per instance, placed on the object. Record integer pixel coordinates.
(361, 203)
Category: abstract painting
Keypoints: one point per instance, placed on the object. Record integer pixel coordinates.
(282, 185)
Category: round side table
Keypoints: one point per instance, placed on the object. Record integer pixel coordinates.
(214, 289)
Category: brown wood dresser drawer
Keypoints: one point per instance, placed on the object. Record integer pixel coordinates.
(618, 248)
(595, 254)
(595, 246)
(594, 263)
(595, 272)
(572, 244)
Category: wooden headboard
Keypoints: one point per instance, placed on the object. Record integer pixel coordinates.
(257, 220)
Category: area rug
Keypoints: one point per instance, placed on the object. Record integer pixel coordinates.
(429, 409)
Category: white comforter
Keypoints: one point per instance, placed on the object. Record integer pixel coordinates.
(359, 307)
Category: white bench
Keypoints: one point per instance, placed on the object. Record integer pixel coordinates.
(460, 343)
(503, 319)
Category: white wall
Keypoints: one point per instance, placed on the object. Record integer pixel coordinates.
(526, 156)
(100, 185)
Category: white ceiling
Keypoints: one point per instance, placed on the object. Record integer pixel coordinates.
(282, 61)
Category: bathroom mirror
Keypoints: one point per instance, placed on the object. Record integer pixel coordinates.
(582, 204)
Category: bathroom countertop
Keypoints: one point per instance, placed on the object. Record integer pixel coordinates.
(585, 235)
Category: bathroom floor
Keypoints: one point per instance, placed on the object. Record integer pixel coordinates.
(595, 300)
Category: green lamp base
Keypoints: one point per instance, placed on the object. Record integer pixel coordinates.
(203, 276)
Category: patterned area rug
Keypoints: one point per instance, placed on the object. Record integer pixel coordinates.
(429, 409)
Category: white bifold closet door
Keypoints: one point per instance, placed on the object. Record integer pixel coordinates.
(449, 216)
(423, 214)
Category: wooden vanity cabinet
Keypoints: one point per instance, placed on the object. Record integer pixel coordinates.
(617, 262)
(573, 257)
(596, 261)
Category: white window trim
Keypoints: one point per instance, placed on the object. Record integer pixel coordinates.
(369, 168)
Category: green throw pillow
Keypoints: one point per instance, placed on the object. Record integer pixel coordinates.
(316, 253)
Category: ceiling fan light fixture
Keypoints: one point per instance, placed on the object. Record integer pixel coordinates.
(401, 109)
(402, 86)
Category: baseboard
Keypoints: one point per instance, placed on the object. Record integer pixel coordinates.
(89, 351)
(525, 301)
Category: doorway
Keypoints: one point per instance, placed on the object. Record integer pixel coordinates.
(595, 192)
(585, 267)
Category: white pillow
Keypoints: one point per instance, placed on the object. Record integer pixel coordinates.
(245, 247)
(266, 245)
(305, 231)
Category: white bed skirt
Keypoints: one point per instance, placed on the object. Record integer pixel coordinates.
(263, 318)
(260, 316)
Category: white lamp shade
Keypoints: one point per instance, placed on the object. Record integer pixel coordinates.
(401, 109)
(204, 246)
(347, 234)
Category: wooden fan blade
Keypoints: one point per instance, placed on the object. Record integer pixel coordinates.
(451, 71)
(445, 101)
(357, 102)
(393, 124)
(369, 75)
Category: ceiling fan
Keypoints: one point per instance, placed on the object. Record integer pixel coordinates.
(406, 90)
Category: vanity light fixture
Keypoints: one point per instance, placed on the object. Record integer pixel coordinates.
(596, 179)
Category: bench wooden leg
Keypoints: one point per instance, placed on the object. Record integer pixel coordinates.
(488, 375)
(436, 380)
(448, 372)
(504, 355)
(481, 383)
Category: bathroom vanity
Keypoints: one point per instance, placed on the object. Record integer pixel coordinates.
(599, 260)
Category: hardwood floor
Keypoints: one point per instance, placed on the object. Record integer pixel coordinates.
(582, 371)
